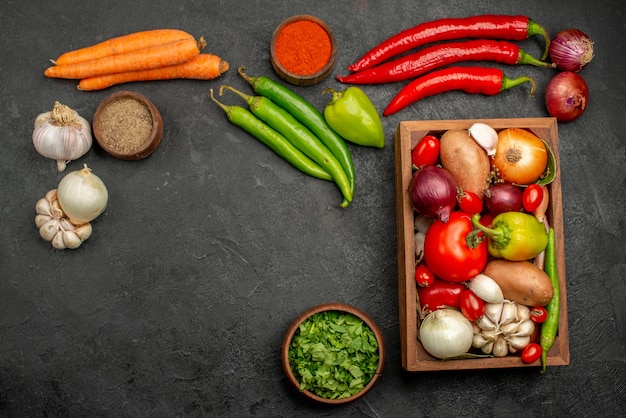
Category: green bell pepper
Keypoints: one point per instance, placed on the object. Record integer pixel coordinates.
(353, 116)
(514, 236)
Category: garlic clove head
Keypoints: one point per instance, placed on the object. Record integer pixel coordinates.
(509, 313)
(83, 231)
(500, 348)
(71, 240)
(58, 242)
(49, 229)
(518, 342)
(487, 348)
(493, 311)
(486, 288)
(41, 219)
(62, 135)
(485, 136)
(525, 328)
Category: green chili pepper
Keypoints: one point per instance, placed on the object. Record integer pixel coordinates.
(299, 135)
(309, 116)
(279, 144)
(515, 236)
(550, 326)
(353, 116)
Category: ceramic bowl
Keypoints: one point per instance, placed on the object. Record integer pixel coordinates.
(299, 79)
(293, 329)
(128, 133)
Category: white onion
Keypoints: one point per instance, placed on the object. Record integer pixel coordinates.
(82, 196)
(446, 333)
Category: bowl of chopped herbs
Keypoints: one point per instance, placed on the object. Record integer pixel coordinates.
(333, 353)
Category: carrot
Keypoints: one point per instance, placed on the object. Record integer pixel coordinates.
(202, 67)
(155, 56)
(122, 44)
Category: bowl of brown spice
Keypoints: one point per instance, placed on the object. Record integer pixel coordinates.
(128, 126)
(303, 50)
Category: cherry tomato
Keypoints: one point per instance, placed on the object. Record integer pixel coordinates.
(469, 202)
(423, 276)
(531, 353)
(426, 152)
(532, 197)
(447, 253)
(472, 307)
(440, 294)
(539, 314)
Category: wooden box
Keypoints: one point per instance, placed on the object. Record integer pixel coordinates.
(414, 357)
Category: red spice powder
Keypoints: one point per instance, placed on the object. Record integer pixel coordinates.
(303, 47)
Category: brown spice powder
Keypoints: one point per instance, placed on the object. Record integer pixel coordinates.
(126, 124)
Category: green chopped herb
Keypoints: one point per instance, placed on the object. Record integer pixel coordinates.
(333, 354)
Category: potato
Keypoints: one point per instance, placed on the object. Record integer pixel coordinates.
(468, 163)
(521, 281)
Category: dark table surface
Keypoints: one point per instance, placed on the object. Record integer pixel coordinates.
(178, 303)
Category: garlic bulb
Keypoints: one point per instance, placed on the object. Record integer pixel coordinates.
(62, 135)
(82, 195)
(503, 329)
(485, 136)
(54, 227)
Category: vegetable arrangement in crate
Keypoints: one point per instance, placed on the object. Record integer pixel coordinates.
(480, 244)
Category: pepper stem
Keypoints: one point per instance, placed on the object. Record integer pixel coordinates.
(251, 80)
(525, 58)
(248, 98)
(475, 237)
(225, 108)
(508, 83)
(336, 95)
(536, 29)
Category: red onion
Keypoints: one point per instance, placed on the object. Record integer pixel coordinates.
(432, 191)
(503, 197)
(571, 49)
(566, 96)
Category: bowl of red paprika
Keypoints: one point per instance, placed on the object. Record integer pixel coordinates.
(333, 353)
(303, 50)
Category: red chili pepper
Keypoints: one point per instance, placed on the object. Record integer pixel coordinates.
(441, 55)
(514, 28)
(473, 80)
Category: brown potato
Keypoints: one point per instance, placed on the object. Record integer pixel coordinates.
(521, 281)
(468, 163)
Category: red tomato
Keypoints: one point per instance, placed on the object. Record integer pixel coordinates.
(426, 152)
(469, 202)
(440, 294)
(531, 353)
(539, 314)
(447, 253)
(472, 307)
(532, 197)
(423, 276)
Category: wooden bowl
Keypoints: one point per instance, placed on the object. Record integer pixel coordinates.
(128, 126)
(293, 77)
(332, 307)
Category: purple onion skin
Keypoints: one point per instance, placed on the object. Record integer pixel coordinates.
(566, 96)
(571, 49)
(502, 198)
(433, 191)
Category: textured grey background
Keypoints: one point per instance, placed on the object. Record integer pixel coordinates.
(209, 248)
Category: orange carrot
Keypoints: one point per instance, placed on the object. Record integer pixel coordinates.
(122, 44)
(155, 56)
(202, 67)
